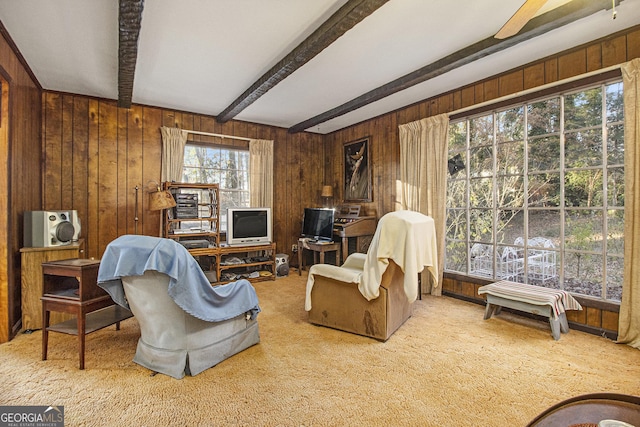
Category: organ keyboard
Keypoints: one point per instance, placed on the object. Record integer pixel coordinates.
(349, 224)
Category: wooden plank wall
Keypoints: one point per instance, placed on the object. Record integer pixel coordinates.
(21, 175)
(384, 137)
(95, 154)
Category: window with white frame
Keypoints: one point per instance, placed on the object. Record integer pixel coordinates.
(540, 199)
(228, 167)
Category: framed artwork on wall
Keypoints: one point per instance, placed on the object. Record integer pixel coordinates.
(357, 171)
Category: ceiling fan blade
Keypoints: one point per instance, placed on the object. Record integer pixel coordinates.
(520, 18)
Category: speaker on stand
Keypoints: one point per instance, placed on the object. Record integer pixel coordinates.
(282, 265)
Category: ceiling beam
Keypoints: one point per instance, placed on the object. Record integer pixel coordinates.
(353, 12)
(556, 18)
(129, 19)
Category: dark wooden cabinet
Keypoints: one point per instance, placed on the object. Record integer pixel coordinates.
(31, 280)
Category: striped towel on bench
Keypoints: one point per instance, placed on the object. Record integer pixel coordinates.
(559, 300)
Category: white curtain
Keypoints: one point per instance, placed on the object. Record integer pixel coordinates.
(261, 172)
(424, 148)
(173, 142)
(629, 319)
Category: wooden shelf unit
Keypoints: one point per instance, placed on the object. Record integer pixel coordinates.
(196, 216)
(265, 262)
(179, 224)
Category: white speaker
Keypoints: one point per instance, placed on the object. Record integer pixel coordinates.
(282, 265)
(43, 229)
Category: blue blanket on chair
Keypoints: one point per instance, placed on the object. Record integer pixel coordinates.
(132, 255)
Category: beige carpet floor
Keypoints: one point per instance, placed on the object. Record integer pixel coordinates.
(445, 366)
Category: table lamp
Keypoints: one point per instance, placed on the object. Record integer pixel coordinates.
(326, 194)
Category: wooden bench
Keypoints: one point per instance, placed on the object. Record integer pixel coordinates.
(547, 302)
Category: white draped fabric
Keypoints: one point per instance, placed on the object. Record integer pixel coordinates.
(261, 172)
(424, 148)
(173, 142)
(629, 320)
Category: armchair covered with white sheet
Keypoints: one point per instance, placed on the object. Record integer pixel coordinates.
(372, 294)
(186, 325)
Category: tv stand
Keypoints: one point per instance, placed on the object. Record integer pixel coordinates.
(250, 259)
(254, 267)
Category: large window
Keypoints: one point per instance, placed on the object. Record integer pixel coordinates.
(541, 197)
(219, 165)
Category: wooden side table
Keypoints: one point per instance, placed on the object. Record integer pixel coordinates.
(317, 248)
(70, 286)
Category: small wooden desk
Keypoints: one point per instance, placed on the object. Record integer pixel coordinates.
(70, 286)
(317, 248)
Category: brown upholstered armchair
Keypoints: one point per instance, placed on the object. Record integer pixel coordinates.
(372, 294)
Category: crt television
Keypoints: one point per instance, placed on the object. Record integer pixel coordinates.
(248, 226)
(317, 223)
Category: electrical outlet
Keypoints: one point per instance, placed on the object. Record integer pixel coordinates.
(294, 248)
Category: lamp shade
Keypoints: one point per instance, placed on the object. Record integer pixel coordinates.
(161, 200)
(327, 191)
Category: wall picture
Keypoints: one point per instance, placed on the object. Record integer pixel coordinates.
(357, 171)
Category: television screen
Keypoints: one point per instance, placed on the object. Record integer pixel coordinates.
(248, 226)
(317, 223)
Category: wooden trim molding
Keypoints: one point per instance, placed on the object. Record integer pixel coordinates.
(16, 51)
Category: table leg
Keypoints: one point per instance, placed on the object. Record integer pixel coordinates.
(555, 327)
(45, 333)
(488, 311)
(345, 248)
(321, 257)
(564, 324)
(300, 257)
(81, 335)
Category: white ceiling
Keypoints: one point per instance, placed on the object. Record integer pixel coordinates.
(200, 55)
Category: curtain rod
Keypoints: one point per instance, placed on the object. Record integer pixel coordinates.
(219, 135)
(536, 89)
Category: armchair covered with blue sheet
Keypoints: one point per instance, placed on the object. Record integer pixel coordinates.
(372, 294)
(186, 325)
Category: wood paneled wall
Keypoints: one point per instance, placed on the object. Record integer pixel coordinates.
(384, 136)
(20, 182)
(95, 154)
(383, 130)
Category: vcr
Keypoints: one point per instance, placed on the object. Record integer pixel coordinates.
(186, 205)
